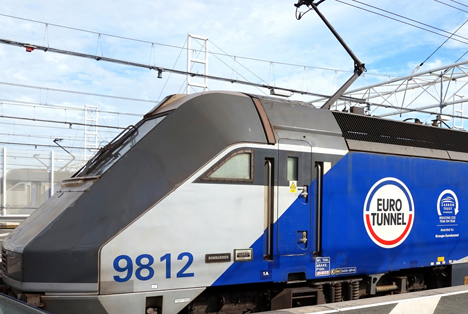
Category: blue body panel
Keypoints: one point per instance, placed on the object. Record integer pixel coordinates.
(437, 235)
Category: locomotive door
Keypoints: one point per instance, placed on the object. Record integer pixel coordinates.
(294, 234)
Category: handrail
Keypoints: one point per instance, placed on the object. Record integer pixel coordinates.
(268, 255)
(318, 223)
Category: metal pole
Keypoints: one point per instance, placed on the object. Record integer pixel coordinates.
(52, 179)
(188, 63)
(441, 91)
(4, 199)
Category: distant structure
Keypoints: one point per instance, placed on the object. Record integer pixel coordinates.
(425, 92)
(90, 131)
(197, 57)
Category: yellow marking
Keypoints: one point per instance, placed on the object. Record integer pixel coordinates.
(440, 259)
(292, 186)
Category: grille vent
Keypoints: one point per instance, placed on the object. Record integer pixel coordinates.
(370, 129)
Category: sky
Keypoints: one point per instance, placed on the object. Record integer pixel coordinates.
(257, 41)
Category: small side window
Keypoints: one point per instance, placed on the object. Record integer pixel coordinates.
(292, 174)
(236, 167)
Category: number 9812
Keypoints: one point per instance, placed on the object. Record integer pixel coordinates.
(143, 270)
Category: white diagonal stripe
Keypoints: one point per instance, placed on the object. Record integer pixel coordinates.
(421, 306)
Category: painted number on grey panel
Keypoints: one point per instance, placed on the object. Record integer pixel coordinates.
(124, 264)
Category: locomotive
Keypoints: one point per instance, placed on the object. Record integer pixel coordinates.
(224, 202)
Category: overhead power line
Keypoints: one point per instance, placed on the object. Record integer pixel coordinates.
(60, 107)
(459, 3)
(40, 145)
(409, 19)
(420, 65)
(76, 92)
(451, 6)
(44, 126)
(160, 70)
(183, 48)
(62, 122)
(407, 23)
(41, 136)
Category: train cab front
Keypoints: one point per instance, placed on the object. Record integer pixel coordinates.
(52, 259)
(38, 258)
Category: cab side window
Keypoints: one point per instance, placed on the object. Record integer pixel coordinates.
(237, 167)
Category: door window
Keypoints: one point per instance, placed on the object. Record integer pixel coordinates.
(292, 168)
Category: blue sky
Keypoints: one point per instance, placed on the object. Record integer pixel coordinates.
(264, 29)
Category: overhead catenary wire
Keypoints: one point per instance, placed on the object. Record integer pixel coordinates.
(162, 69)
(16, 155)
(40, 145)
(23, 165)
(234, 58)
(29, 136)
(62, 122)
(39, 136)
(183, 48)
(460, 10)
(409, 19)
(60, 107)
(447, 39)
(459, 3)
(170, 74)
(262, 80)
(440, 46)
(44, 126)
(407, 23)
(441, 2)
(76, 92)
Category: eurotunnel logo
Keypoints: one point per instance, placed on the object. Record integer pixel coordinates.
(388, 212)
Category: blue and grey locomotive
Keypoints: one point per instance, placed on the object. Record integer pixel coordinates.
(223, 202)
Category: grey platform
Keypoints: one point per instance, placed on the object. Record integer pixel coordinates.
(452, 300)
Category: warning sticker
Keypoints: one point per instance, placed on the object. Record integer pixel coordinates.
(348, 270)
(292, 186)
(343, 271)
(322, 266)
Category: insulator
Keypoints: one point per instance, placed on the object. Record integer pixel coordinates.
(355, 290)
(338, 292)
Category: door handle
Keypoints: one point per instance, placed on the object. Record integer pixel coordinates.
(304, 237)
(304, 193)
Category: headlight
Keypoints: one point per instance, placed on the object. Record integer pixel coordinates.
(14, 265)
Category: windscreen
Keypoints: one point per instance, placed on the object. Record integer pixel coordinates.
(113, 151)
